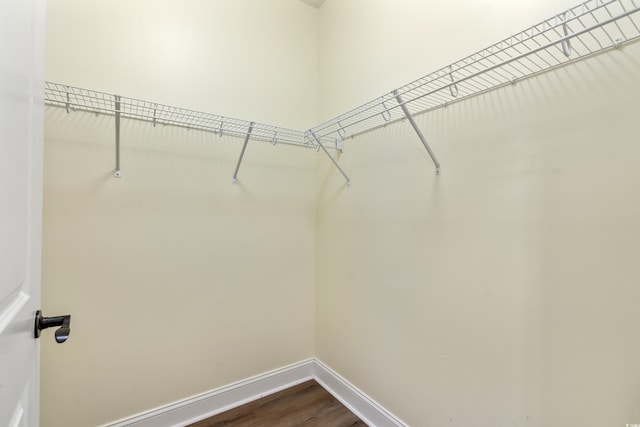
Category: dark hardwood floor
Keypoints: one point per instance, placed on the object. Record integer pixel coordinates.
(306, 404)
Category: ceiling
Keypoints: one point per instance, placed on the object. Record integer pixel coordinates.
(314, 3)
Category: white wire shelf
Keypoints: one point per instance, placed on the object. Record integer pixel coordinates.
(583, 30)
(78, 99)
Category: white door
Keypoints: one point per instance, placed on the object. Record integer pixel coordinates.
(21, 138)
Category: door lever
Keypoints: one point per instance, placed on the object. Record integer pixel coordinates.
(62, 333)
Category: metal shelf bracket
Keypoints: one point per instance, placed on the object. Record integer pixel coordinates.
(417, 129)
(67, 103)
(321, 145)
(155, 112)
(566, 41)
(117, 172)
(244, 147)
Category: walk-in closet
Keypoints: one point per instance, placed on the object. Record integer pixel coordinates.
(425, 211)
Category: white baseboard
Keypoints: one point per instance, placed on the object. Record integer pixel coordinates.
(222, 399)
(359, 403)
(196, 408)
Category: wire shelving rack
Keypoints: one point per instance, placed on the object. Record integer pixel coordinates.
(74, 98)
(581, 31)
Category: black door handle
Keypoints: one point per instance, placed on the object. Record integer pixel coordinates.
(62, 333)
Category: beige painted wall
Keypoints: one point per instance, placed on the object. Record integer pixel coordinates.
(251, 59)
(370, 47)
(178, 281)
(503, 292)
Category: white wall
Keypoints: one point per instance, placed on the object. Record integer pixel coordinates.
(178, 282)
(504, 291)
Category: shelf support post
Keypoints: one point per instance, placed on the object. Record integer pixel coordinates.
(417, 129)
(244, 147)
(117, 172)
(67, 103)
(331, 157)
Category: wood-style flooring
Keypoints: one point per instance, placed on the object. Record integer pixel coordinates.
(306, 404)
